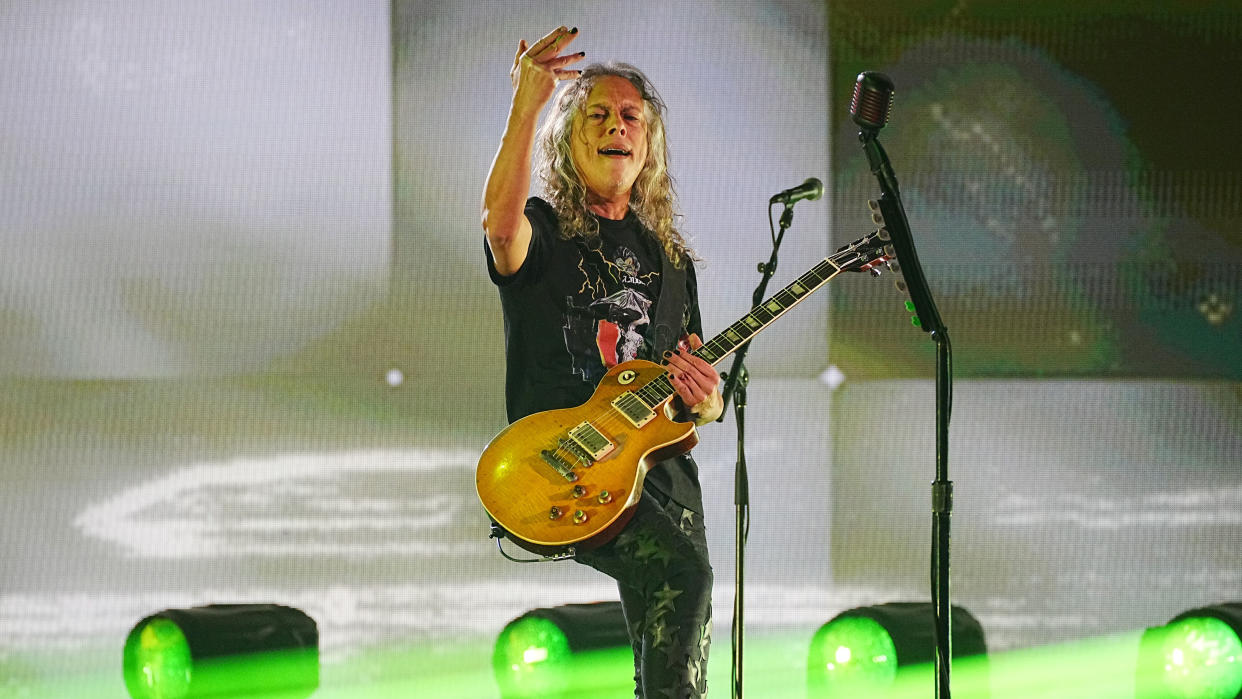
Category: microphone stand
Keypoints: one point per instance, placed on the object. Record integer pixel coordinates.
(736, 380)
(928, 318)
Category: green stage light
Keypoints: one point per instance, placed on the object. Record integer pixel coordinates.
(1197, 655)
(861, 651)
(263, 651)
(572, 650)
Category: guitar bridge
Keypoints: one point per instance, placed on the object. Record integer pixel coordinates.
(571, 447)
(562, 467)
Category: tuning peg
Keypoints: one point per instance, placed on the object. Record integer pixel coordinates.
(877, 218)
(883, 233)
(890, 251)
(873, 205)
(900, 284)
(893, 266)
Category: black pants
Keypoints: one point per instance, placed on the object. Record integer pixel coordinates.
(662, 570)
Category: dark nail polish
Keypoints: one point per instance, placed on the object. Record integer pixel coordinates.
(573, 31)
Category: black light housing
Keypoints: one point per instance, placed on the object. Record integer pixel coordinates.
(264, 651)
(574, 650)
(1197, 655)
(860, 651)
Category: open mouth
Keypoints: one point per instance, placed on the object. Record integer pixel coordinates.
(614, 152)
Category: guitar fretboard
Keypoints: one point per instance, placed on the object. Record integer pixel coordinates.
(760, 317)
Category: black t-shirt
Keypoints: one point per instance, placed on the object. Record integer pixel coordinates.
(578, 307)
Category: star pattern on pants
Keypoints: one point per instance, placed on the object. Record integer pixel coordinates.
(662, 634)
(687, 521)
(664, 599)
(705, 638)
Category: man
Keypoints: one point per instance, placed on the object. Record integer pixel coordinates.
(595, 275)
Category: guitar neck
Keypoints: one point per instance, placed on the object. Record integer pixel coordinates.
(716, 349)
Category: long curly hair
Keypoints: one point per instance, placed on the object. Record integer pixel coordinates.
(652, 198)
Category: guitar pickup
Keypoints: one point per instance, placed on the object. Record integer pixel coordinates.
(591, 440)
(633, 408)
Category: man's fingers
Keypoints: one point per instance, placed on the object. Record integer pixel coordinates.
(521, 50)
(694, 376)
(545, 41)
(684, 361)
(690, 394)
(562, 61)
(556, 40)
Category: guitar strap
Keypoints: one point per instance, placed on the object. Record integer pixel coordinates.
(665, 330)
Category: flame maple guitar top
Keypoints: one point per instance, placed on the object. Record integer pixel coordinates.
(553, 483)
(572, 477)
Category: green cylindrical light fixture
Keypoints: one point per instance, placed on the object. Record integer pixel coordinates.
(263, 651)
(1197, 655)
(574, 650)
(859, 652)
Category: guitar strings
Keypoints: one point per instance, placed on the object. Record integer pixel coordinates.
(655, 392)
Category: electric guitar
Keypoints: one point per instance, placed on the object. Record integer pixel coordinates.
(569, 479)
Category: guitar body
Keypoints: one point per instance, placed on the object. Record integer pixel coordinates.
(547, 497)
(571, 478)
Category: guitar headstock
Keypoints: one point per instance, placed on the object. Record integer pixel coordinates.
(870, 253)
(877, 217)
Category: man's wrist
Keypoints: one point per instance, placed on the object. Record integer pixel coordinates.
(708, 410)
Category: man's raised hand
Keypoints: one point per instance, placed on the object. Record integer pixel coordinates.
(537, 68)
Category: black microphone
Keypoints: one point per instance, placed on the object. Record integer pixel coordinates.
(873, 100)
(811, 189)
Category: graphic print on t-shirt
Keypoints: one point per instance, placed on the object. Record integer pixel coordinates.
(605, 323)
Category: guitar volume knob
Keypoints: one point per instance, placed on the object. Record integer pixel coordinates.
(605, 497)
(579, 491)
(555, 513)
(580, 516)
